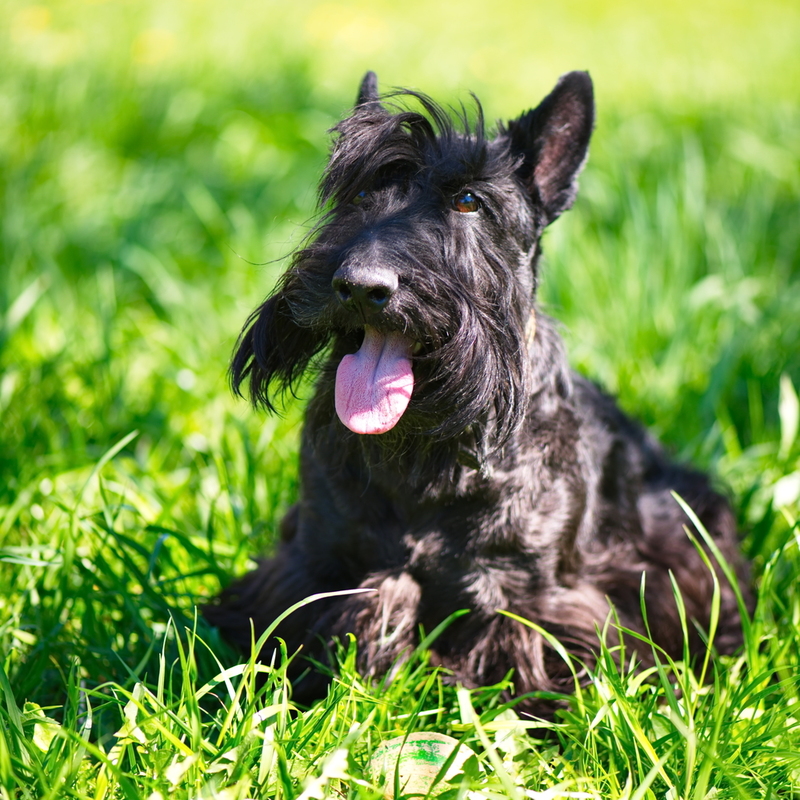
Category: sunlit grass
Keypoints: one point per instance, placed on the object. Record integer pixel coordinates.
(187, 721)
(156, 163)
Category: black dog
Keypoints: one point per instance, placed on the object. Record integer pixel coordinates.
(450, 459)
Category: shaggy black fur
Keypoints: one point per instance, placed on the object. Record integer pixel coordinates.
(509, 482)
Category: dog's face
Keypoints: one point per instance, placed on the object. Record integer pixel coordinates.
(421, 275)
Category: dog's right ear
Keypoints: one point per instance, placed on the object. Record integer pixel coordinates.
(272, 352)
(553, 140)
(368, 91)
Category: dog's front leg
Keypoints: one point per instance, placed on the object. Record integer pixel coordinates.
(383, 621)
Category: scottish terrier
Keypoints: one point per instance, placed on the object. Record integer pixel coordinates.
(450, 459)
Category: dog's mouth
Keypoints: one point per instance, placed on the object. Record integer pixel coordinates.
(374, 385)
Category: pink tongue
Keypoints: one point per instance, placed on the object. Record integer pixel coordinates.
(374, 385)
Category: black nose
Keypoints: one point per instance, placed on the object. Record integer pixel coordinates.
(367, 289)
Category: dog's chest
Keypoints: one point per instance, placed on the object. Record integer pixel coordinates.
(488, 550)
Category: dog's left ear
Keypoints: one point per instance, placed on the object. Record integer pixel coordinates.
(553, 140)
(368, 91)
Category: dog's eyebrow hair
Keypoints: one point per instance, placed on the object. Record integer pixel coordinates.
(372, 140)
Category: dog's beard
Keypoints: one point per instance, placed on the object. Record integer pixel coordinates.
(449, 364)
(468, 387)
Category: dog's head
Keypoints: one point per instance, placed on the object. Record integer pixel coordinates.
(419, 279)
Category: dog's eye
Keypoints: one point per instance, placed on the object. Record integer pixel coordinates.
(466, 203)
(358, 198)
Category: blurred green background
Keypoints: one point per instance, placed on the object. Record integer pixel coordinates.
(158, 159)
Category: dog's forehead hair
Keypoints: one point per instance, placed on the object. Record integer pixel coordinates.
(375, 144)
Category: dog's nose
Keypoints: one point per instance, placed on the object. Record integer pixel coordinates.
(367, 289)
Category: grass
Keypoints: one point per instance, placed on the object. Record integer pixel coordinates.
(156, 162)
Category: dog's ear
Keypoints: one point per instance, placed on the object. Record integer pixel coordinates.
(368, 91)
(272, 352)
(553, 140)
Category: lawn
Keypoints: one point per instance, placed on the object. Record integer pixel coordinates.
(158, 161)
